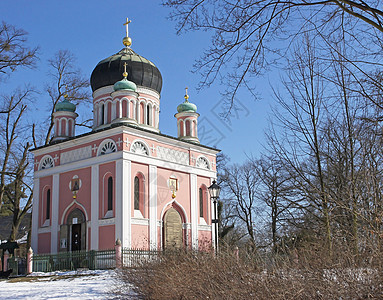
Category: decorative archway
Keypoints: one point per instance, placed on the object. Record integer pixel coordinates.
(73, 233)
(173, 237)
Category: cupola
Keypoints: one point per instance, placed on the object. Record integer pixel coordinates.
(187, 120)
(64, 119)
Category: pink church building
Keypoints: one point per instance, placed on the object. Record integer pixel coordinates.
(124, 179)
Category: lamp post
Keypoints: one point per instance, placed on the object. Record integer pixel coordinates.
(214, 191)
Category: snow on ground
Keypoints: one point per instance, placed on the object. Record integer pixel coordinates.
(62, 285)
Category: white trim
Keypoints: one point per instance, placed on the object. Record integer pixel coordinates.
(140, 221)
(35, 214)
(86, 163)
(203, 227)
(104, 222)
(178, 204)
(44, 230)
(126, 130)
(194, 210)
(69, 206)
(43, 159)
(55, 212)
(119, 214)
(153, 207)
(94, 211)
(126, 230)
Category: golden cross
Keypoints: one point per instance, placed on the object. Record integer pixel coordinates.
(125, 74)
(126, 24)
(186, 94)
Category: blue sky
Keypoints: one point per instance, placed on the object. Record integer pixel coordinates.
(93, 30)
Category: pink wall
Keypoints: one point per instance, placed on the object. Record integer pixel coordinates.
(106, 237)
(83, 194)
(44, 243)
(165, 194)
(204, 240)
(140, 236)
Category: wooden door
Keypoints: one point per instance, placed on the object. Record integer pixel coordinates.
(172, 229)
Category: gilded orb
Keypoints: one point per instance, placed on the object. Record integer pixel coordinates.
(127, 41)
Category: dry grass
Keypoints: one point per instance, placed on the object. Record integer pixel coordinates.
(310, 275)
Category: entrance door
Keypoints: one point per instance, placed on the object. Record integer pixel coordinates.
(76, 237)
(172, 229)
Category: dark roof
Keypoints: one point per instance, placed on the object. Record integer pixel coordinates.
(126, 125)
(140, 70)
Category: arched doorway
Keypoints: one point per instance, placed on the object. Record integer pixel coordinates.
(173, 237)
(73, 233)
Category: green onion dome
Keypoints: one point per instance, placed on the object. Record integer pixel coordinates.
(65, 105)
(187, 106)
(125, 84)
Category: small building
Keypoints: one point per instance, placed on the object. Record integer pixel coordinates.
(123, 179)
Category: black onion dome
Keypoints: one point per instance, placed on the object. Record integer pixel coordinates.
(140, 70)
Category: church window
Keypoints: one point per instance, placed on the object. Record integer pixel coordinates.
(110, 193)
(187, 125)
(201, 202)
(148, 111)
(107, 146)
(102, 113)
(46, 162)
(48, 205)
(203, 163)
(136, 193)
(139, 148)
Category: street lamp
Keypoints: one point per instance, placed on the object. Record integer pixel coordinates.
(214, 191)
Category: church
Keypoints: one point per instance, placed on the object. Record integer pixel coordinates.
(124, 179)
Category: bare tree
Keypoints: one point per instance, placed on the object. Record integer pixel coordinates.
(248, 36)
(67, 80)
(241, 185)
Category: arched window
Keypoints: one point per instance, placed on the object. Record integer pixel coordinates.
(110, 193)
(138, 196)
(136, 193)
(102, 114)
(201, 202)
(48, 205)
(187, 124)
(148, 111)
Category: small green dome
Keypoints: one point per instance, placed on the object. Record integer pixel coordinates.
(187, 106)
(65, 105)
(125, 84)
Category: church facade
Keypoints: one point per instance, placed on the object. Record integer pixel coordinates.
(124, 179)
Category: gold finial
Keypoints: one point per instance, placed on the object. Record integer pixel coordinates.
(186, 95)
(125, 74)
(66, 92)
(127, 41)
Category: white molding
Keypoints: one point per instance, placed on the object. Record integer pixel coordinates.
(119, 213)
(35, 214)
(153, 207)
(140, 221)
(127, 130)
(55, 212)
(203, 157)
(94, 210)
(140, 89)
(69, 206)
(205, 228)
(126, 235)
(104, 222)
(43, 230)
(194, 210)
(43, 159)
